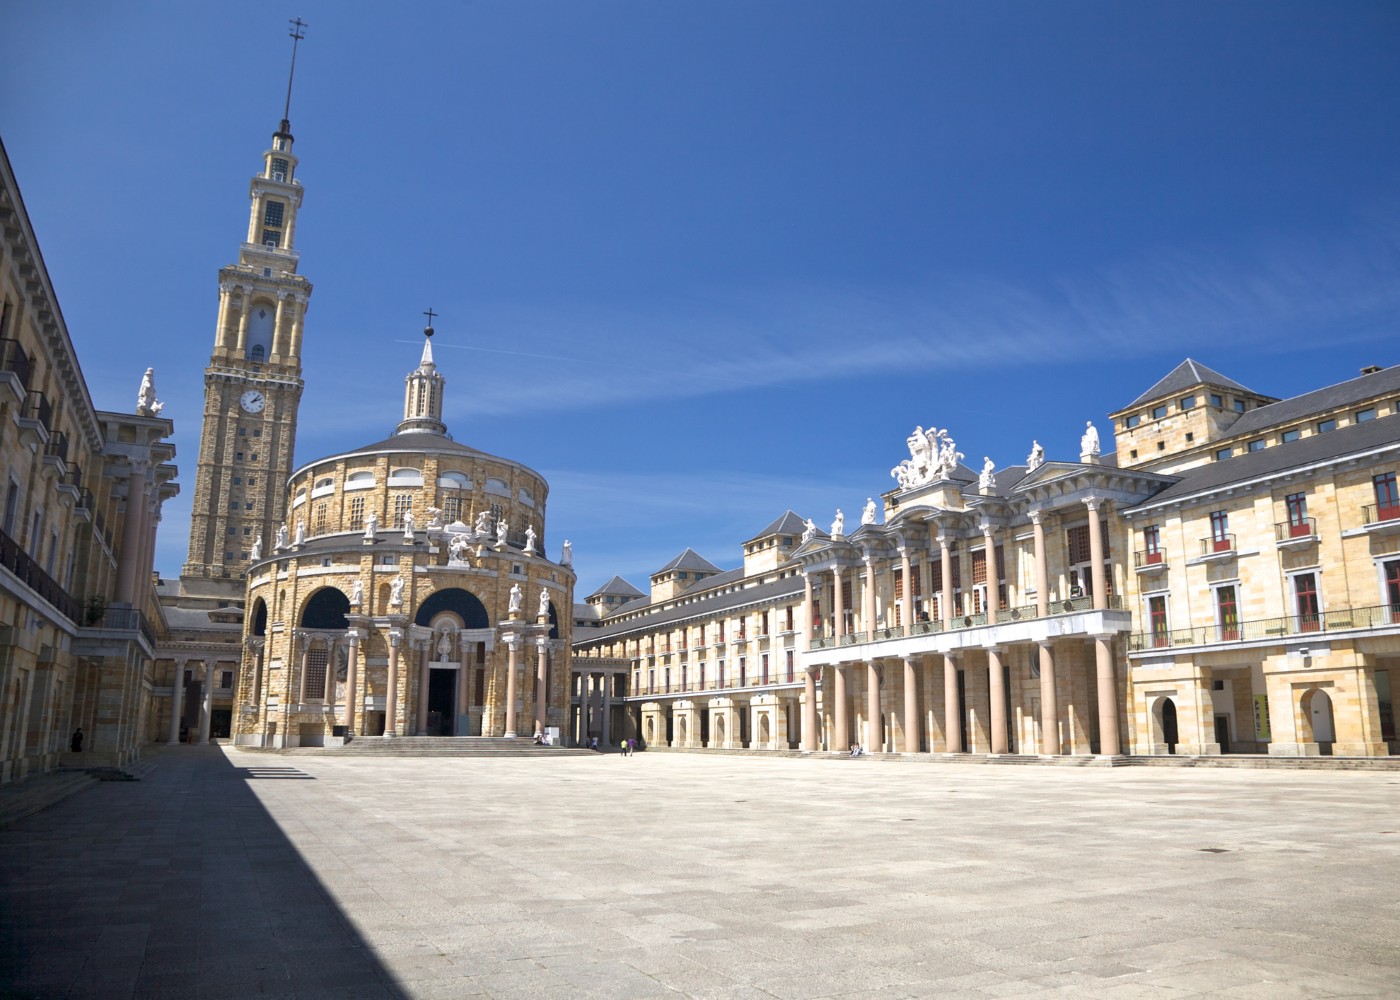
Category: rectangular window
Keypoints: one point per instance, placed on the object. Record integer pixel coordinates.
(1216, 400)
(316, 660)
(318, 519)
(1132, 421)
(452, 507)
(1158, 412)
(1186, 402)
(1077, 542)
(403, 503)
(226, 679)
(1257, 444)
(1387, 497)
(1239, 406)
(1222, 454)
(1391, 572)
(357, 512)
(1297, 505)
(1323, 426)
(763, 668)
(11, 507)
(1152, 544)
(1227, 612)
(1292, 434)
(719, 673)
(1220, 530)
(743, 670)
(271, 238)
(790, 667)
(280, 165)
(1362, 416)
(1157, 617)
(1306, 603)
(272, 214)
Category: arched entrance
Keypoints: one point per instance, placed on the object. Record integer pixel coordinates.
(682, 730)
(719, 730)
(326, 609)
(765, 730)
(1317, 713)
(1164, 715)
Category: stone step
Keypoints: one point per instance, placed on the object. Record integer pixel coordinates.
(28, 797)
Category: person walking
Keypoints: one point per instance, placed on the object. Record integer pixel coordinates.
(76, 743)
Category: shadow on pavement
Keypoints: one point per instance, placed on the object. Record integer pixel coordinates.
(177, 886)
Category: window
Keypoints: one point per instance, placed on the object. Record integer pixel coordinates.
(1220, 531)
(318, 519)
(1298, 523)
(316, 660)
(1257, 444)
(271, 238)
(1186, 402)
(1387, 497)
(242, 432)
(1306, 603)
(1227, 612)
(1391, 574)
(1157, 619)
(1239, 406)
(1323, 426)
(403, 503)
(1152, 544)
(452, 507)
(272, 214)
(11, 507)
(1361, 416)
(1158, 412)
(252, 480)
(1222, 454)
(238, 456)
(257, 432)
(225, 679)
(357, 511)
(279, 165)
(1216, 400)
(1133, 421)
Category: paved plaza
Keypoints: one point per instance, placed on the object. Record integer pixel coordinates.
(233, 875)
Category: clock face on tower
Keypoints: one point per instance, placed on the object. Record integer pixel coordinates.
(252, 401)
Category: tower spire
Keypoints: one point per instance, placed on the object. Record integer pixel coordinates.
(422, 404)
(297, 34)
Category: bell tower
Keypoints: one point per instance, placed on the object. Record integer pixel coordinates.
(253, 384)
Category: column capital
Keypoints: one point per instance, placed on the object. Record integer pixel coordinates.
(987, 528)
(353, 636)
(1037, 516)
(512, 640)
(395, 637)
(1093, 502)
(255, 642)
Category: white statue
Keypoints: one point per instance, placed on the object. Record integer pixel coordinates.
(867, 516)
(444, 646)
(408, 525)
(300, 538)
(371, 525)
(281, 542)
(1089, 443)
(434, 517)
(809, 530)
(146, 403)
(838, 526)
(948, 457)
(458, 546)
(530, 537)
(932, 456)
(567, 557)
(516, 596)
(1036, 458)
(396, 592)
(257, 549)
(502, 529)
(483, 523)
(544, 603)
(357, 594)
(986, 481)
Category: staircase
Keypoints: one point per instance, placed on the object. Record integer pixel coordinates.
(429, 746)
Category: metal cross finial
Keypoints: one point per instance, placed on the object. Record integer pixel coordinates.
(297, 35)
(431, 315)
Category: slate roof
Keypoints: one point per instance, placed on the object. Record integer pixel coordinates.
(788, 524)
(689, 560)
(774, 589)
(1185, 375)
(1322, 400)
(1336, 444)
(617, 586)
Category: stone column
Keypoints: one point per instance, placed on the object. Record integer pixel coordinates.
(1108, 696)
(177, 700)
(1096, 554)
(911, 701)
(906, 602)
(807, 610)
(352, 666)
(874, 722)
(258, 646)
(1049, 710)
(996, 687)
(839, 731)
(425, 672)
(220, 331)
(305, 650)
(993, 597)
(466, 673)
(1042, 570)
(391, 693)
(206, 707)
(541, 695)
(810, 738)
(868, 612)
(952, 716)
(133, 535)
(241, 345)
(945, 554)
(281, 336)
(512, 641)
(606, 707)
(838, 606)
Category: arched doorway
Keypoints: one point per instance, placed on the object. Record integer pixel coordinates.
(682, 730)
(1317, 711)
(719, 730)
(326, 609)
(1164, 715)
(463, 603)
(765, 729)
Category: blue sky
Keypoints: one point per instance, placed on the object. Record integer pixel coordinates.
(700, 262)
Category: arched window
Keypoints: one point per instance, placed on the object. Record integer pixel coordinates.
(257, 353)
(498, 487)
(361, 480)
(262, 316)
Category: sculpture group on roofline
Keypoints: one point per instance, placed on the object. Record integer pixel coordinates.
(933, 455)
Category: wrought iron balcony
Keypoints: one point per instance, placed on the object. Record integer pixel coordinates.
(1266, 629)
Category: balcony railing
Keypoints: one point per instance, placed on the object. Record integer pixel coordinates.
(37, 407)
(1026, 612)
(19, 562)
(13, 359)
(119, 620)
(1298, 529)
(57, 446)
(1217, 545)
(1380, 513)
(1265, 629)
(1147, 560)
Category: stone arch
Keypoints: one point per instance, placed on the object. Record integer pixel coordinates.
(262, 317)
(325, 608)
(651, 730)
(1317, 724)
(765, 729)
(1165, 724)
(465, 605)
(719, 730)
(259, 617)
(682, 730)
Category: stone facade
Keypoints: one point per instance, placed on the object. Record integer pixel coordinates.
(83, 490)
